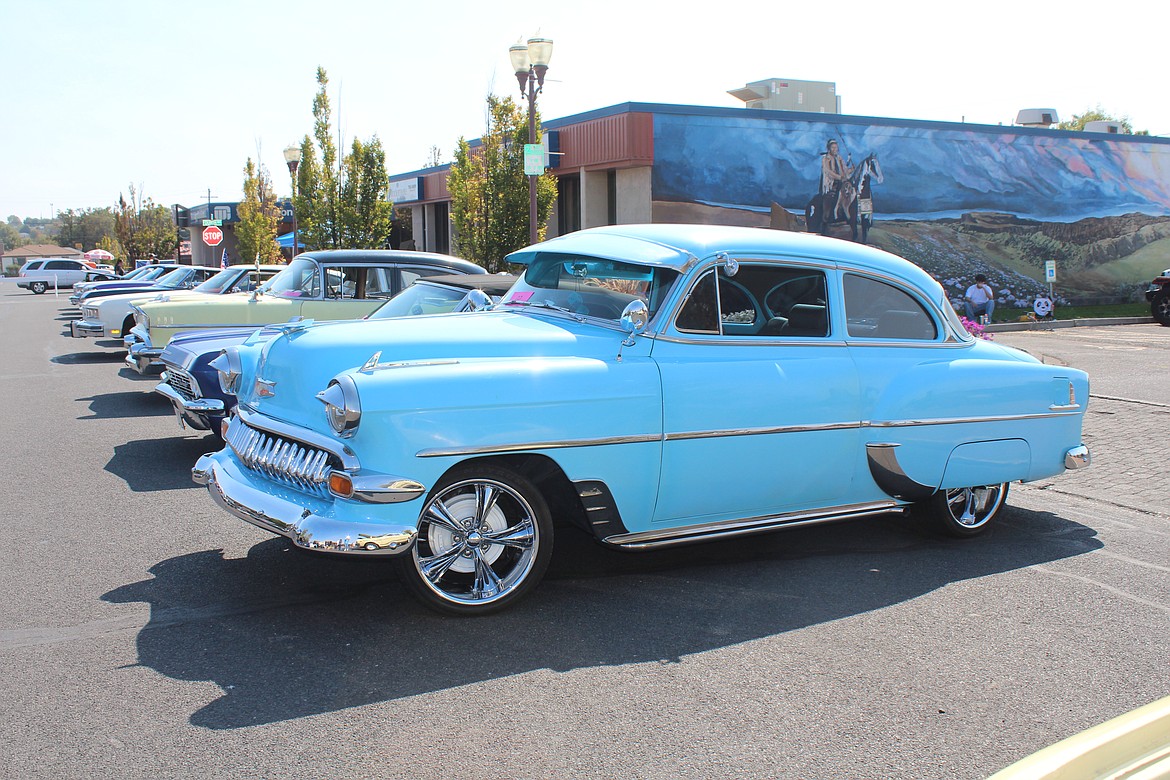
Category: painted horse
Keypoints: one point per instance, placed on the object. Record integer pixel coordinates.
(822, 212)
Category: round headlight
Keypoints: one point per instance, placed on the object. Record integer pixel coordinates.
(342, 407)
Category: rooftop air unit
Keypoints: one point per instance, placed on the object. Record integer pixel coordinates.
(1037, 117)
(1103, 126)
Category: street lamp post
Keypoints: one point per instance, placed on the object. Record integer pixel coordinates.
(530, 63)
(292, 156)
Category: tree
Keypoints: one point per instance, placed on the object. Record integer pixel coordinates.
(144, 228)
(489, 191)
(340, 204)
(85, 227)
(10, 237)
(259, 217)
(1098, 114)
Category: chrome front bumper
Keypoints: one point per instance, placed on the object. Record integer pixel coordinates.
(296, 517)
(193, 412)
(142, 358)
(80, 329)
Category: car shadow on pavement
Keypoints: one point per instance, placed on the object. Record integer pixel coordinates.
(88, 358)
(287, 634)
(133, 403)
(147, 465)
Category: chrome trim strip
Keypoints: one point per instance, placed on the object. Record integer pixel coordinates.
(487, 449)
(253, 419)
(1064, 407)
(727, 528)
(370, 366)
(963, 420)
(438, 452)
(756, 341)
(718, 434)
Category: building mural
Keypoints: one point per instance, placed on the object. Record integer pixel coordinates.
(957, 199)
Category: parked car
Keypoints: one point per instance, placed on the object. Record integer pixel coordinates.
(1133, 746)
(1158, 295)
(339, 284)
(140, 278)
(174, 277)
(52, 273)
(112, 317)
(192, 384)
(652, 385)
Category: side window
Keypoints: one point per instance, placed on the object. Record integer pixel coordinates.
(58, 265)
(764, 300)
(877, 310)
(380, 282)
(410, 273)
(34, 265)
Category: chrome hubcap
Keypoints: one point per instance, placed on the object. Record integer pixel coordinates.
(972, 507)
(477, 542)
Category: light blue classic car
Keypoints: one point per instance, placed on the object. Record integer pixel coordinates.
(651, 385)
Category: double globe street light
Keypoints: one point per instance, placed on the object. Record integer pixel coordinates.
(530, 63)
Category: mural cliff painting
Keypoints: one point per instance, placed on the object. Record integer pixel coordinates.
(957, 199)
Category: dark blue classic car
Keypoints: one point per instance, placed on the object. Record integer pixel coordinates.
(192, 384)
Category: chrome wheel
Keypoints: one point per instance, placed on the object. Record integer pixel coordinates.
(967, 511)
(484, 539)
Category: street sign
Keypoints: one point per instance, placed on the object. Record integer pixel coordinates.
(1050, 271)
(535, 160)
(210, 222)
(212, 236)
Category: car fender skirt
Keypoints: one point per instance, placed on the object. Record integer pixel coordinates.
(890, 477)
(987, 463)
(306, 529)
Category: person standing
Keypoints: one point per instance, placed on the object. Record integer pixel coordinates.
(979, 299)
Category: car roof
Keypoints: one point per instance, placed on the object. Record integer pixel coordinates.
(680, 246)
(395, 256)
(492, 284)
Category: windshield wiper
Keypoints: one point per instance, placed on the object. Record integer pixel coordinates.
(549, 306)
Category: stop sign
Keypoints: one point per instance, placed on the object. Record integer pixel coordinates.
(212, 236)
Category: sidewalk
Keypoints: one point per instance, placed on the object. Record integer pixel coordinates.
(1004, 327)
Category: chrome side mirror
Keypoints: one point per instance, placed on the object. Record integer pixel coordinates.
(730, 264)
(635, 318)
(475, 300)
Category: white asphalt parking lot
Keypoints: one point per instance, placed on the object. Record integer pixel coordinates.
(144, 633)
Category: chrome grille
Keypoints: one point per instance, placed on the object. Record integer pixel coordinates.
(283, 460)
(182, 382)
(89, 312)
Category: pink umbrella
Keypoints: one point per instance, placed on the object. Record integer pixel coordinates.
(98, 255)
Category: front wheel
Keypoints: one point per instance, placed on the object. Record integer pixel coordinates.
(1160, 308)
(38, 287)
(484, 540)
(964, 511)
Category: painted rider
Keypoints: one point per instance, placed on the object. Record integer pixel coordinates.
(836, 180)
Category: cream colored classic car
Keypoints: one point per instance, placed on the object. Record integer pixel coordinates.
(340, 284)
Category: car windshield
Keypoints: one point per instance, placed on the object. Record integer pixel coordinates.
(299, 280)
(175, 278)
(590, 286)
(152, 272)
(420, 298)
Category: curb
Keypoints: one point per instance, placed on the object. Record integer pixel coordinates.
(1005, 327)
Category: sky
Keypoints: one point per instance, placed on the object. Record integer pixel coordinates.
(173, 98)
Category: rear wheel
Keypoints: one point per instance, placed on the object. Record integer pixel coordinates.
(1160, 308)
(484, 540)
(38, 287)
(964, 511)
